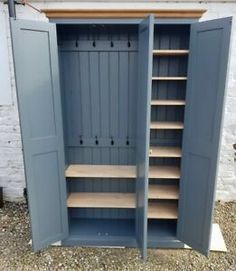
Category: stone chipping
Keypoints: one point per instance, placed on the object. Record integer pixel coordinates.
(16, 253)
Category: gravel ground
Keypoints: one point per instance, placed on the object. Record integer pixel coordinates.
(16, 254)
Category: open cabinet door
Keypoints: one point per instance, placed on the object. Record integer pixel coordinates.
(38, 91)
(143, 130)
(209, 46)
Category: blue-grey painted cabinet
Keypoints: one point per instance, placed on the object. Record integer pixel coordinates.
(120, 127)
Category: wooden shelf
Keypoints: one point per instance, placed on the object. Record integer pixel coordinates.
(111, 13)
(101, 200)
(164, 172)
(168, 78)
(165, 152)
(170, 52)
(162, 210)
(166, 125)
(101, 171)
(167, 102)
(163, 191)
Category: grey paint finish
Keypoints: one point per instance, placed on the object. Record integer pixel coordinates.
(38, 91)
(209, 45)
(99, 89)
(108, 232)
(99, 86)
(100, 98)
(143, 131)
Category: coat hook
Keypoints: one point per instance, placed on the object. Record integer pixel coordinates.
(81, 140)
(112, 141)
(96, 141)
(127, 141)
(94, 43)
(112, 44)
(76, 43)
(128, 43)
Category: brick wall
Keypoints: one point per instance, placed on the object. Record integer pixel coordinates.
(11, 161)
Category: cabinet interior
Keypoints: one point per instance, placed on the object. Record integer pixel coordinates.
(99, 81)
(169, 77)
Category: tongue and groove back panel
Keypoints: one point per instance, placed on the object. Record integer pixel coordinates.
(99, 83)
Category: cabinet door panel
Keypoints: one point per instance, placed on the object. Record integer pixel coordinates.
(143, 130)
(38, 92)
(209, 46)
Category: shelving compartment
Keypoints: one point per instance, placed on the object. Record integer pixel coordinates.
(163, 191)
(101, 218)
(162, 210)
(170, 58)
(98, 65)
(101, 200)
(101, 171)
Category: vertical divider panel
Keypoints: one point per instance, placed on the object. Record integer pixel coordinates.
(146, 29)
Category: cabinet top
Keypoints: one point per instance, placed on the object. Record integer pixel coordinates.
(123, 13)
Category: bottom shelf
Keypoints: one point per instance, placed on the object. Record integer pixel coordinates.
(101, 232)
(162, 234)
(120, 233)
(161, 229)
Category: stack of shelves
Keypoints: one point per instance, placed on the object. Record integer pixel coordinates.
(163, 197)
(101, 199)
(89, 209)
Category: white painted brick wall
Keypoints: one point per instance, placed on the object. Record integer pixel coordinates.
(11, 161)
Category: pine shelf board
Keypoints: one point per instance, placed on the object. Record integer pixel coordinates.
(170, 52)
(165, 151)
(111, 13)
(167, 102)
(169, 78)
(162, 210)
(166, 125)
(101, 171)
(163, 191)
(101, 200)
(164, 172)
